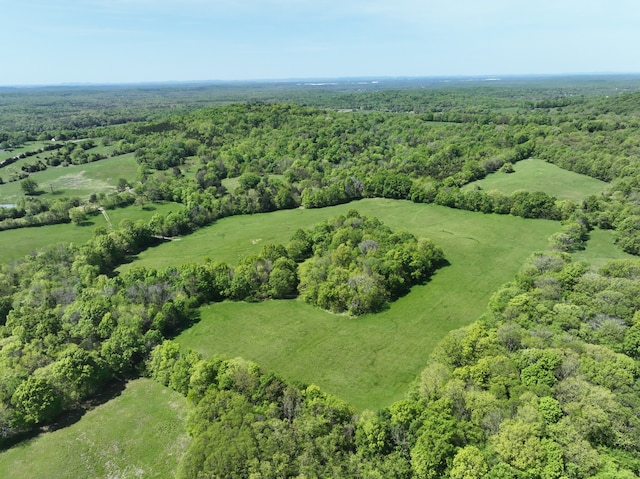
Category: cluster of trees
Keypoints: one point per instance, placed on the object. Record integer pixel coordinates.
(359, 264)
(27, 154)
(33, 211)
(246, 423)
(67, 330)
(75, 153)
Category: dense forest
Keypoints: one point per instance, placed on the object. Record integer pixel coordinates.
(544, 385)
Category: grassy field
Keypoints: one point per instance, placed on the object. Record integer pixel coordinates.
(28, 146)
(76, 180)
(14, 244)
(371, 360)
(600, 249)
(138, 434)
(538, 175)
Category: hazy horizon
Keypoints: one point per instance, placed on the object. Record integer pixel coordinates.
(454, 79)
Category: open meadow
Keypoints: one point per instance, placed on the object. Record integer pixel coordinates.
(368, 361)
(76, 180)
(538, 175)
(139, 433)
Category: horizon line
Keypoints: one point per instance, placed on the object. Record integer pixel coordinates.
(324, 80)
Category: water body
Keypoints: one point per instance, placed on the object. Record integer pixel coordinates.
(7, 205)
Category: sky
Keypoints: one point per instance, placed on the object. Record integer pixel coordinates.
(51, 42)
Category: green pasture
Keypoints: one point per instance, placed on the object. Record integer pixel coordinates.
(14, 244)
(102, 149)
(538, 175)
(600, 249)
(76, 180)
(371, 360)
(7, 171)
(138, 434)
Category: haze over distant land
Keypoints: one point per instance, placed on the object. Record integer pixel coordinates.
(131, 41)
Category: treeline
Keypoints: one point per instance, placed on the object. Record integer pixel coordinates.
(27, 154)
(286, 156)
(51, 110)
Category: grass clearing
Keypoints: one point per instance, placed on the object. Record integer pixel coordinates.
(232, 184)
(140, 434)
(371, 360)
(14, 244)
(76, 180)
(600, 249)
(538, 175)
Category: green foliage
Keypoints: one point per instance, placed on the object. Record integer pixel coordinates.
(544, 385)
(36, 401)
(247, 423)
(469, 463)
(29, 186)
(359, 264)
(434, 448)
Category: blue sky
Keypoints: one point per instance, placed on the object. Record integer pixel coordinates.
(114, 41)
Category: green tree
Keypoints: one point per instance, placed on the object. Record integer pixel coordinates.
(468, 463)
(29, 186)
(435, 447)
(249, 180)
(77, 215)
(36, 400)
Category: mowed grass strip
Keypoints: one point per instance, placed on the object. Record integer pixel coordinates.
(369, 361)
(140, 434)
(538, 175)
(76, 180)
(14, 244)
